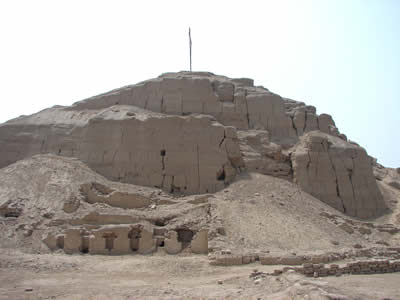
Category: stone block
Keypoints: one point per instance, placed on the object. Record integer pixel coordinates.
(171, 243)
(199, 244)
(270, 260)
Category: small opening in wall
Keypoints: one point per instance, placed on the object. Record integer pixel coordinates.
(221, 175)
(85, 244)
(159, 222)
(162, 244)
(12, 214)
(185, 236)
(60, 242)
(109, 240)
(134, 236)
(163, 152)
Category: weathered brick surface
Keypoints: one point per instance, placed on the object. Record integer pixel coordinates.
(358, 267)
(316, 260)
(227, 260)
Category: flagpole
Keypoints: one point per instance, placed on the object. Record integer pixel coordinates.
(190, 50)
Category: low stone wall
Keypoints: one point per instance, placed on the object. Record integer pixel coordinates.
(294, 260)
(358, 267)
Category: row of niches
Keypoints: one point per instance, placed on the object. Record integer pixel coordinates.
(128, 239)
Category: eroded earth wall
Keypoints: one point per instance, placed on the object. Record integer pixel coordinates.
(190, 154)
(338, 173)
(191, 132)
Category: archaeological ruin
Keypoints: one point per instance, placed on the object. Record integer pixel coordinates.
(190, 163)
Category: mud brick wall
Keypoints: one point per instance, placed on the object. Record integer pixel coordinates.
(358, 267)
(296, 260)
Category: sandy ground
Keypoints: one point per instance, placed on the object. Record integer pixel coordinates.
(60, 276)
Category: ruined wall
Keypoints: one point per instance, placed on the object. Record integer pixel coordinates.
(172, 245)
(304, 119)
(233, 102)
(338, 173)
(125, 239)
(188, 155)
(98, 193)
(263, 156)
(191, 154)
(151, 134)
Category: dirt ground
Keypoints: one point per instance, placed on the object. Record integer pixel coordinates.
(160, 276)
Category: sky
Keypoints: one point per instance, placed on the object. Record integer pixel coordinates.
(343, 57)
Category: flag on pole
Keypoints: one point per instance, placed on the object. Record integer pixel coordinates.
(190, 50)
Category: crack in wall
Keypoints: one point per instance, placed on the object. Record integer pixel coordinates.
(350, 173)
(163, 154)
(162, 108)
(317, 165)
(42, 146)
(198, 166)
(336, 181)
(293, 125)
(247, 109)
(181, 97)
(172, 189)
(122, 135)
(309, 161)
(162, 181)
(114, 155)
(221, 142)
(305, 121)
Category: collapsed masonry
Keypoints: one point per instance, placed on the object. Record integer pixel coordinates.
(128, 239)
(192, 132)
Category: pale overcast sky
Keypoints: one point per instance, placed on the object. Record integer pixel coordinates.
(341, 56)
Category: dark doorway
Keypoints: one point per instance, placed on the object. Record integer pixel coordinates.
(185, 236)
(109, 240)
(85, 244)
(134, 236)
(60, 242)
(221, 175)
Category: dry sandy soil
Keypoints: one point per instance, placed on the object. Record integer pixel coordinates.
(60, 276)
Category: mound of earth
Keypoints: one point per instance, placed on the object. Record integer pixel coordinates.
(48, 196)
